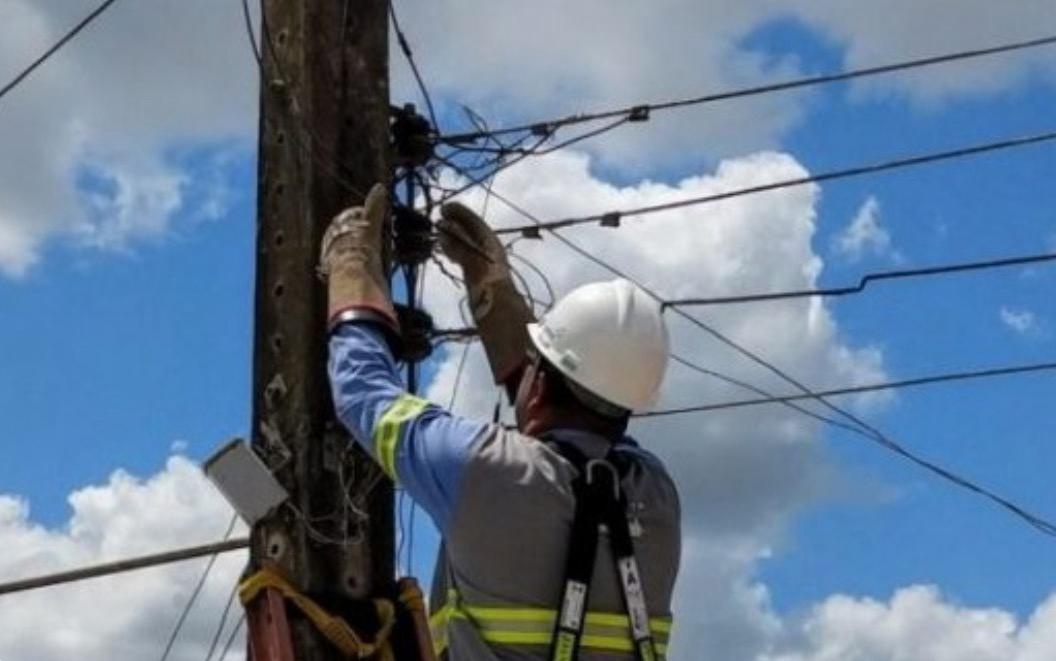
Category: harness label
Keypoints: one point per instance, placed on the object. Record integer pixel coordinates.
(574, 604)
(632, 589)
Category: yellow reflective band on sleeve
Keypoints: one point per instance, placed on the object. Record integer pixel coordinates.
(535, 627)
(390, 426)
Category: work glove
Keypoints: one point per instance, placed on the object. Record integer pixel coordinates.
(350, 260)
(499, 310)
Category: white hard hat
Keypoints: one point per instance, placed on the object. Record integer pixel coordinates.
(609, 338)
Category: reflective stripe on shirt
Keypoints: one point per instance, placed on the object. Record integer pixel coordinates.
(535, 627)
(390, 427)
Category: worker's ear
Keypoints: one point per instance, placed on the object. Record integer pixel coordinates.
(540, 394)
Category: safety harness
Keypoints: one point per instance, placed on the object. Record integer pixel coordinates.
(599, 502)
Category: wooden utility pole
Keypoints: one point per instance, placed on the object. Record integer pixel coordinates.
(323, 142)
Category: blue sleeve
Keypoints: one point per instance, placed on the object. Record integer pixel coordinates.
(417, 444)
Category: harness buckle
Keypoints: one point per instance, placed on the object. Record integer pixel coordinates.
(595, 463)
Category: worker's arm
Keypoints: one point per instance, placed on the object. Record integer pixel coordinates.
(421, 446)
(500, 312)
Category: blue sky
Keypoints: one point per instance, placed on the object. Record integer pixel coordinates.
(114, 357)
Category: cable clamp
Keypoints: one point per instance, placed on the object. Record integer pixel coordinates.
(638, 114)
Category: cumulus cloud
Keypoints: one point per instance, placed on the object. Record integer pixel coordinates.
(125, 617)
(872, 33)
(742, 474)
(91, 139)
(864, 234)
(595, 55)
(153, 77)
(918, 623)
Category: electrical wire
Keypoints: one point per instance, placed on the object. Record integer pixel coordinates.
(857, 390)
(231, 638)
(405, 47)
(860, 426)
(612, 218)
(247, 17)
(960, 267)
(645, 109)
(223, 621)
(46, 55)
(194, 593)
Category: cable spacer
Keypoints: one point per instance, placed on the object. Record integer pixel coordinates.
(611, 219)
(530, 233)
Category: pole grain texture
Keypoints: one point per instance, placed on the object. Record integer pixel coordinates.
(324, 117)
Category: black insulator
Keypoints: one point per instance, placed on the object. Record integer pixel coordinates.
(412, 137)
(412, 236)
(416, 332)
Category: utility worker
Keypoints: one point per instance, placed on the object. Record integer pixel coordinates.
(525, 572)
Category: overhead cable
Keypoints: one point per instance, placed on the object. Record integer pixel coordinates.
(858, 426)
(46, 55)
(214, 645)
(641, 111)
(121, 566)
(405, 48)
(194, 594)
(613, 218)
(858, 390)
(960, 267)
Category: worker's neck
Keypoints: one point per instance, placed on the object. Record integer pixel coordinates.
(552, 420)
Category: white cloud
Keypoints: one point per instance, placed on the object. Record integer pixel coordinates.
(126, 617)
(595, 55)
(179, 80)
(880, 33)
(918, 623)
(864, 234)
(146, 79)
(1022, 321)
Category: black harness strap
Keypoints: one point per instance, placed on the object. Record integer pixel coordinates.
(599, 500)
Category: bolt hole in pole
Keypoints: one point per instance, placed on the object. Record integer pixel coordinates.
(280, 238)
(279, 290)
(282, 37)
(277, 343)
(280, 138)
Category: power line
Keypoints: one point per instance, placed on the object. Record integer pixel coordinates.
(121, 566)
(855, 390)
(405, 47)
(860, 426)
(220, 627)
(865, 280)
(231, 638)
(641, 111)
(613, 218)
(194, 594)
(46, 55)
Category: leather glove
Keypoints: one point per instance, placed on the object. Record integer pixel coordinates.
(350, 259)
(500, 312)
